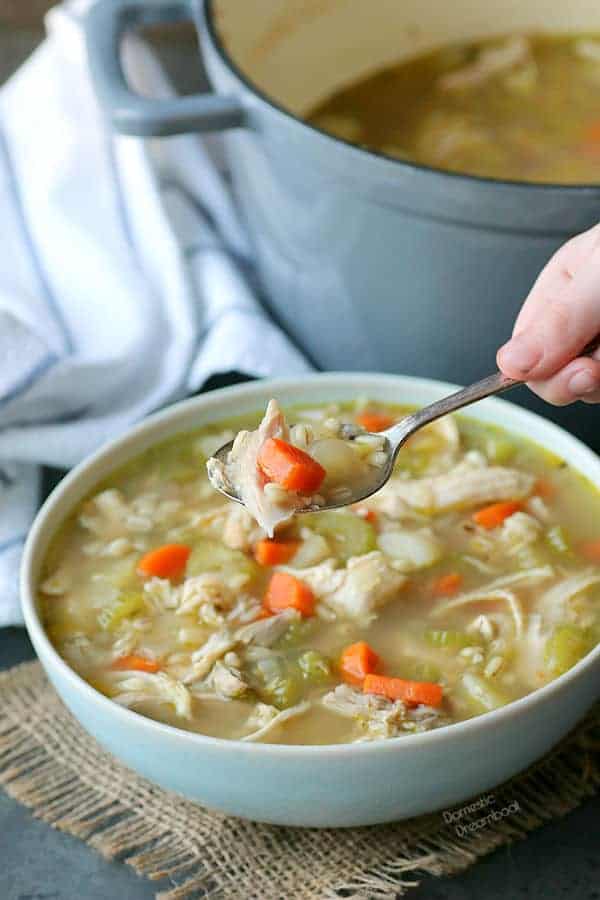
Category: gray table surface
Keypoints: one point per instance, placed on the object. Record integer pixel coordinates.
(560, 860)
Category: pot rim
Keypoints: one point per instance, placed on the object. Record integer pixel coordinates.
(257, 392)
(421, 168)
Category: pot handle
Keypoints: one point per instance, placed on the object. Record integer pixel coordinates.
(105, 25)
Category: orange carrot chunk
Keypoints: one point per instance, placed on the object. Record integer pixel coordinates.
(290, 467)
(591, 550)
(411, 692)
(270, 552)
(494, 515)
(446, 585)
(286, 592)
(357, 661)
(374, 421)
(168, 561)
(135, 663)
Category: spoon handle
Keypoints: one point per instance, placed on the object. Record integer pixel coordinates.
(487, 387)
(493, 384)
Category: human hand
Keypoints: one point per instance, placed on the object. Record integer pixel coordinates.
(559, 317)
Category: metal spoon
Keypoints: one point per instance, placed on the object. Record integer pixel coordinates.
(396, 436)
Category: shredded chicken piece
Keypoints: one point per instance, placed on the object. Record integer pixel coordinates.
(497, 590)
(379, 717)
(266, 631)
(266, 718)
(232, 524)
(110, 517)
(490, 61)
(356, 591)
(204, 658)
(209, 591)
(226, 680)
(470, 483)
(518, 531)
(245, 609)
(161, 595)
(241, 473)
(142, 687)
(554, 603)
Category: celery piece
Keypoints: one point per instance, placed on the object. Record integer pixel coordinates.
(482, 695)
(566, 646)
(126, 605)
(557, 539)
(349, 534)
(209, 555)
(297, 633)
(276, 681)
(447, 639)
(314, 666)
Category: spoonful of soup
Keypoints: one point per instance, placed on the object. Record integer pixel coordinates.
(278, 471)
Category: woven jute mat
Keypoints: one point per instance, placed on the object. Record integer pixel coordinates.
(51, 765)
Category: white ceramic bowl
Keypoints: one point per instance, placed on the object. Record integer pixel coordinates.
(333, 785)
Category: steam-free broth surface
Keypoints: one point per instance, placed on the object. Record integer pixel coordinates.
(523, 107)
(474, 575)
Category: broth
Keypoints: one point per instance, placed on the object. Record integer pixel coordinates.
(523, 108)
(477, 571)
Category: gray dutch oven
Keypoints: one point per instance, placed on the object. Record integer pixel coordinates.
(368, 262)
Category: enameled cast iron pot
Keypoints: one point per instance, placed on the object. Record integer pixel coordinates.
(368, 262)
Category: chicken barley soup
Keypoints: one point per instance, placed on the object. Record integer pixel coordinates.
(469, 580)
(523, 107)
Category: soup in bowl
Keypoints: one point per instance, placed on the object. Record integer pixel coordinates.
(451, 612)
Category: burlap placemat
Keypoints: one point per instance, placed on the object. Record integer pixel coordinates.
(52, 766)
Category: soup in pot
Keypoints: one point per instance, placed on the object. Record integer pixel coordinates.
(522, 108)
(471, 579)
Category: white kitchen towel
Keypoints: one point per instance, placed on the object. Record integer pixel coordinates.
(125, 275)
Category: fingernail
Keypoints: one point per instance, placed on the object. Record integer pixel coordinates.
(582, 382)
(520, 355)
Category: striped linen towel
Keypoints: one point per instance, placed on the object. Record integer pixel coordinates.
(125, 275)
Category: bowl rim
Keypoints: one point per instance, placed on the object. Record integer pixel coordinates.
(259, 391)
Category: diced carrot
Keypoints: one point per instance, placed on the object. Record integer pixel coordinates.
(357, 661)
(494, 515)
(411, 692)
(135, 663)
(286, 592)
(368, 514)
(591, 550)
(168, 561)
(270, 552)
(290, 467)
(374, 421)
(544, 488)
(446, 585)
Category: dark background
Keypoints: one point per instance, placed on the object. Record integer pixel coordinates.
(560, 860)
